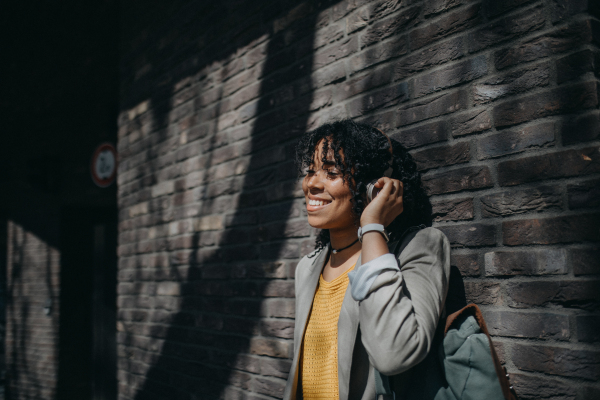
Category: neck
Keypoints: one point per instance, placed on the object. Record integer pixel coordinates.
(340, 239)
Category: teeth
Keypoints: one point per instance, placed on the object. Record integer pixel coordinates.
(316, 202)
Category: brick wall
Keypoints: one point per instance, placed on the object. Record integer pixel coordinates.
(31, 333)
(58, 105)
(498, 102)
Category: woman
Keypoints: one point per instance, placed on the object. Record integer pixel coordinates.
(388, 316)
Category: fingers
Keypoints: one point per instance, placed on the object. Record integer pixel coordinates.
(391, 187)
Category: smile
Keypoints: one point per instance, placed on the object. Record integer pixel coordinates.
(315, 205)
(318, 202)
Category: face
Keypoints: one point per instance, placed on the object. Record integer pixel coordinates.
(327, 195)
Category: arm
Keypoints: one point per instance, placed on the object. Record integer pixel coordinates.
(400, 306)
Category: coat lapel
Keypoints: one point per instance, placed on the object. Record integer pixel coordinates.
(347, 330)
(308, 279)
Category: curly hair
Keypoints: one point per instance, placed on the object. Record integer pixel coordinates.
(362, 153)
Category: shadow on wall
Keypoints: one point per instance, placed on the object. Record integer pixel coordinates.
(32, 269)
(224, 276)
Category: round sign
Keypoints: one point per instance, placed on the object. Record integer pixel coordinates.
(104, 165)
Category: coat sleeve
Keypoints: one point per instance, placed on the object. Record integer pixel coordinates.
(400, 301)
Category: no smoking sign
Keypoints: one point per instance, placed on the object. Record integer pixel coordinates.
(104, 165)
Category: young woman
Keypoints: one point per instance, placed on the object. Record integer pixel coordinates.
(359, 306)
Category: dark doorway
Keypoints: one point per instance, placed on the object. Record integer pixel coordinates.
(87, 342)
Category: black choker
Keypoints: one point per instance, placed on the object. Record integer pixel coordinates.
(334, 251)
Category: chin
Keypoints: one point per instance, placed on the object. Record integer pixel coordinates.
(316, 223)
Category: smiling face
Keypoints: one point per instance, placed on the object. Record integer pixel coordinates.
(328, 197)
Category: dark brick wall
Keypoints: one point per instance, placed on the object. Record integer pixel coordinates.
(31, 334)
(498, 102)
(58, 102)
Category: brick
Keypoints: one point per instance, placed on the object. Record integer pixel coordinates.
(432, 107)
(483, 293)
(562, 9)
(553, 360)
(385, 121)
(564, 229)
(553, 165)
(343, 8)
(381, 98)
(468, 122)
(278, 288)
(470, 235)
(374, 11)
(571, 294)
(442, 156)
(516, 141)
(467, 178)
(275, 367)
(528, 325)
(326, 35)
(546, 262)
(578, 129)
(574, 65)
(449, 76)
(508, 28)
(383, 29)
(584, 194)
(558, 41)
(445, 25)
(494, 8)
(421, 60)
(425, 134)
(270, 387)
(534, 387)
(561, 100)
(585, 261)
(588, 328)
(363, 83)
(259, 270)
(335, 52)
(467, 264)
(276, 308)
(516, 82)
(540, 198)
(588, 393)
(277, 328)
(438, 6)
(271, 251)
(358, 20)
(452, 210)
(378, 54)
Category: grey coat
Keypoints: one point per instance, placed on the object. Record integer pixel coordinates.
(388, 317)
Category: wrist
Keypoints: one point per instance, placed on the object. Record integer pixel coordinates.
(368, 221)
(379, 228)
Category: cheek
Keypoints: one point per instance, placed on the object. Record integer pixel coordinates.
(304, 186)
(340, 191)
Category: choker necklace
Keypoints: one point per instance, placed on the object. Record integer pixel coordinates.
(334, 251)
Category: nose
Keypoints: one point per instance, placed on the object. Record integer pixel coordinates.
(315, 181)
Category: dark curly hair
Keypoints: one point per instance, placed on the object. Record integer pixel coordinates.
(366, 157)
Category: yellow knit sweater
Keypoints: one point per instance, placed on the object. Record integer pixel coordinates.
(319, 351)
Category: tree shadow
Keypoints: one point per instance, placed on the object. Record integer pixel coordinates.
(225, 327)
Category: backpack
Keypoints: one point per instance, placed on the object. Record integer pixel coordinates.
(462, 362)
